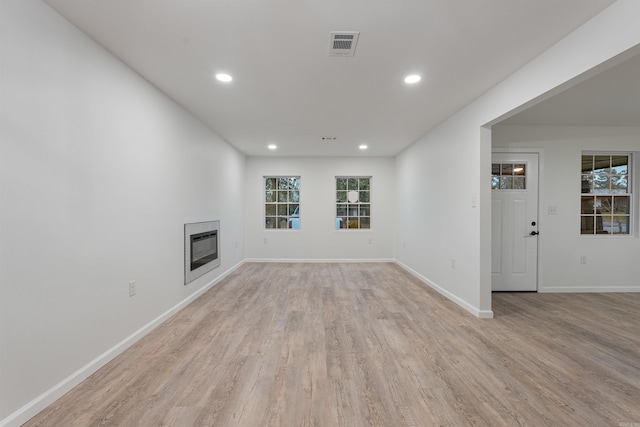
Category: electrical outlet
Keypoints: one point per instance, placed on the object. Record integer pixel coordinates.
(265, 241)
(552, 210)
(132, 288)
(583, 259)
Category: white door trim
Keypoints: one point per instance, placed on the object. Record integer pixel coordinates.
(542, 201)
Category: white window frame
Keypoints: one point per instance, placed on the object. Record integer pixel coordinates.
(293, 221)
(339, 218)
(630, 190)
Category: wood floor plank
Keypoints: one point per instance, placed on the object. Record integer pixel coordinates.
(368, 345)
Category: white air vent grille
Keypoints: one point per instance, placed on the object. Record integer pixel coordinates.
(343, 43)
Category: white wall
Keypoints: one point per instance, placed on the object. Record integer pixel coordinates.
(317, 238)
(99, 172)
(450, 166)
(612, 261)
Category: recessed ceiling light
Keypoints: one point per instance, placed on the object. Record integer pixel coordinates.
(413, 78)
(224, 77)
(272, 146)
(363, 146)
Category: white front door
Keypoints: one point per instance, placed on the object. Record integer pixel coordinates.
(514, 222)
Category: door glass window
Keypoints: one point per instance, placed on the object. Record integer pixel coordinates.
(508, 176)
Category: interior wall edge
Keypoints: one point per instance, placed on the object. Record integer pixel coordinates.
(483, 314)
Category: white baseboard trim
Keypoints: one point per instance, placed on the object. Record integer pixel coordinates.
(317, 260)
(483, 314)
(587, 289)
(32, 408)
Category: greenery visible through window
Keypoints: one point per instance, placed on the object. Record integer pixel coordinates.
(282, 202)
(353, 202)
(605, 206)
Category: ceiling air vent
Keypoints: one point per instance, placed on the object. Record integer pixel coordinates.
(343, 43)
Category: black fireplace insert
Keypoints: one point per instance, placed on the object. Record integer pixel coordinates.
(204, 248)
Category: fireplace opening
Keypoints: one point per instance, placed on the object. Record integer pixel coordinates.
(201, 249)
(204, 248)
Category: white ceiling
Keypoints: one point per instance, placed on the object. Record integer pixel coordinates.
(288, 91)
(611, 98)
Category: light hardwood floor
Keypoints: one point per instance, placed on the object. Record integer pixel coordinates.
(368, 344)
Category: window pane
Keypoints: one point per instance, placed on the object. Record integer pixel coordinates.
(603, 204)
(602, 164)
(341, 183)
(294, 183)
(269, 196)
(341, 210)
(283, 196)
(619, 164)
(341, 222)
(587, 181)
(364, 196)
(599, 224)
(620, 224)
(364, 183)
(586, 225)
(341, 196)
(365, 222)
(283, 183)
(518, 183)
(282, 210)
(353, 223)
(621, 205)
(507, 169)
(587, 164)
(353, 183)
(295, 196)
(270, 210)
(353, 210)
(270, 184)
(587, 205)
(270, 222)
(282, 222)
(365, 210)
(519, 169)
(294, 210)
(495, 169)
(600, 183)
(619, 184)
(506, 183)
(494, 182)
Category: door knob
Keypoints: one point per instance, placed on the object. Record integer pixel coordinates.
(533, 233)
